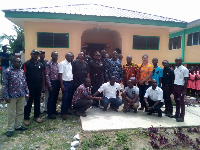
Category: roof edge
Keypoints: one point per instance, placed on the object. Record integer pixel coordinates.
(44, 15)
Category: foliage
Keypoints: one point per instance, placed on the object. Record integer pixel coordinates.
(16, 42)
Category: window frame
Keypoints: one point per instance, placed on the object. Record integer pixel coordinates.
(193, 38)
(146, 42)
(173, 43)
(53, 40)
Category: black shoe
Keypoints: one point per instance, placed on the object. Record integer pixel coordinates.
(9, 133)
(180, 119)
(149, 113)
(56, 113)
(174, 116)
(51, 117)
(141, 108)
(135, 110)
(160, 114)
(22, 128)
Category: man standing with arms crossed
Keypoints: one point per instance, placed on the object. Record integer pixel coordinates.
(180, 89)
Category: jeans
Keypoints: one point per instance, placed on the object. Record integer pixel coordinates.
(114, 102)
(67, 97)
(53, 97)
(34, 94)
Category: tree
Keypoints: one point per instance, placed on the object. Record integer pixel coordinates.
(16, 42)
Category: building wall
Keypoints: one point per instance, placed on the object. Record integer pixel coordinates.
(192, 53)
(75, 32)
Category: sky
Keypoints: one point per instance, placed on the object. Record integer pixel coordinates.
(178, 9)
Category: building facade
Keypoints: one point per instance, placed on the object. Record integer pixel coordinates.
(68, 28)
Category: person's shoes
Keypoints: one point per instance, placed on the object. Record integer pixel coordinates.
(51, 117)
(173, 116)
(115, 109)
(169, 114)
(38, 120)
(131, 107)
(104, 109)
(141, 108)
(126, 110)
(135, 110)
(81, 114)
(69, 112)
(22, 128)
(64, 117)
(56, 113)
(27, 122)
(9, 133)
(160, 114)
(149, 113)
(146, 110)
(180, 119)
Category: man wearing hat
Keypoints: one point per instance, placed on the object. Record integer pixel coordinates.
(46, 94)
(34, 72)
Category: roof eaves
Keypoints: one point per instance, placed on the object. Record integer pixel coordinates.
(45, 15)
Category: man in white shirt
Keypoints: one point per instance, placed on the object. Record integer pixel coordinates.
(155, 101)
(66, 83)
(130, 97)
(180, 88)
(110, 94)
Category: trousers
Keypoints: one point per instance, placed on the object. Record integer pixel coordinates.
(34, 96)
(15, 113)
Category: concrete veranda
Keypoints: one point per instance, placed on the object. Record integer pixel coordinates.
(99, 120)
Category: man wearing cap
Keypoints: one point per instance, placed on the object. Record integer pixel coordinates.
(34, 72)
(4, 57)
(46, 94)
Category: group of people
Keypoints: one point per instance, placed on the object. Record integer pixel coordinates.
(193, 82)
(87, 82)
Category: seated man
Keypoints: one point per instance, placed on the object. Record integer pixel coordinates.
(110, 94)
(82, 99)
(155, 101)
(130, 96)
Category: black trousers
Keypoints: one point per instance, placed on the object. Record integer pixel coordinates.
(96, 82)
(143, 89)
(53, 97)
(82, 105)
(157, 108)
(167, 91)
(34, 96)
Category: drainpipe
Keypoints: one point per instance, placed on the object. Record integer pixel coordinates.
(183, 46)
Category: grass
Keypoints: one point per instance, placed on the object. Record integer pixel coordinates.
(58, 135)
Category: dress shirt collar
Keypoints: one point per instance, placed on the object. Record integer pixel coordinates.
(155, 89)
(67, 62)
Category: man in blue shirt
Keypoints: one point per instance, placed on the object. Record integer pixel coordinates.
(4, 57)
(157, 72)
